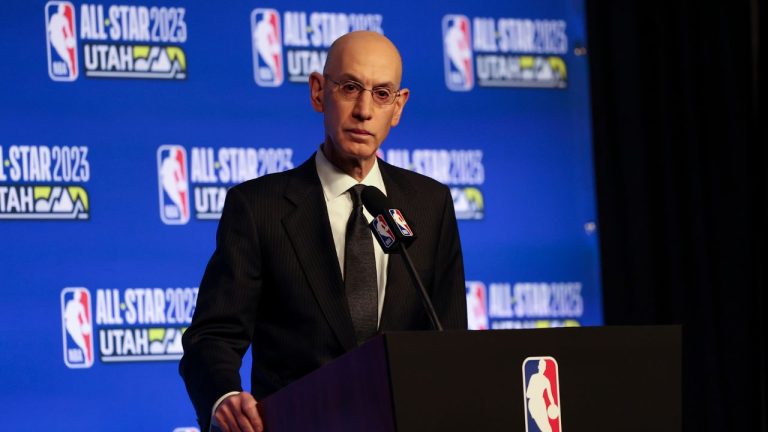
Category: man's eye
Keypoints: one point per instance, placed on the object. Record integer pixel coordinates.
(382, 93)
(350, 87)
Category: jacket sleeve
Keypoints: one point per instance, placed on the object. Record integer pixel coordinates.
(222, 325)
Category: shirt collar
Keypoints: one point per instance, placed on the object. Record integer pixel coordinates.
(336, 182)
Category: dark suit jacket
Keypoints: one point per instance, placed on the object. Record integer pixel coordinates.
(274, 282)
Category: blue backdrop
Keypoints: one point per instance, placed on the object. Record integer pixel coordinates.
(123, 124)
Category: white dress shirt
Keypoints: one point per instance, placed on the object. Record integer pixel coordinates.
(339, 203)
(335, 184)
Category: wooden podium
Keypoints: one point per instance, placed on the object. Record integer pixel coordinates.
(610, 379)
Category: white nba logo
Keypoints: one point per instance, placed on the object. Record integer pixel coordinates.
(541, 393)
(77, 327)
(267, 48)
(173, 184)
(457, 53)
(477, 309)
(61, 39)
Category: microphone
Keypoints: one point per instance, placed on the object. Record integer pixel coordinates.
(394, 236)
(389, 226)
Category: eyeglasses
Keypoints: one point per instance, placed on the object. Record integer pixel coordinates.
(351, 90)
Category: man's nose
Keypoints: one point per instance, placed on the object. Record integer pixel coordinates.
(363, 106)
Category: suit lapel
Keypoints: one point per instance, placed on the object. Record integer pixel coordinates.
(310, 234)
(399, 285)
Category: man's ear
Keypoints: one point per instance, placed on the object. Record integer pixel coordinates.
(399, 105)
(316, 84)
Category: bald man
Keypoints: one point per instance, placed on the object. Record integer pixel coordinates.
(280, 279)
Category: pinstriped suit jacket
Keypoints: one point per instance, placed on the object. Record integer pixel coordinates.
(274, 282)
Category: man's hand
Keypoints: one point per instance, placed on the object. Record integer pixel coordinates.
(238, 413)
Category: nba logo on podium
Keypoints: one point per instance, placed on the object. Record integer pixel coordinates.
(267, 48)
(541, 393)
(77, 327)
(173, 184)
(62, 40)
(457, 53)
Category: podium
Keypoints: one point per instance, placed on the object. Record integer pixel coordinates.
(608, 379)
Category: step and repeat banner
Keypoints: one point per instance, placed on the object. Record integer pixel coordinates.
(123, 124)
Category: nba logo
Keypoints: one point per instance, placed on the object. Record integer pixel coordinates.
(477, 306)
(457, 53)
(173, 185)
(77, 327)
(386, 235)
(62, 41)
(267, 48)
(405, 230)
(541, 393)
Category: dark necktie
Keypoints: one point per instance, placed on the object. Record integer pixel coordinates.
(360, 271)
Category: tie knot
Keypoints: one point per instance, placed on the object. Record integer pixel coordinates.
(355, 192)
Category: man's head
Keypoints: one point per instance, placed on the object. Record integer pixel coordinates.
(356, 127)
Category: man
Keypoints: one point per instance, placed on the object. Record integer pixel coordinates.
(286, 276)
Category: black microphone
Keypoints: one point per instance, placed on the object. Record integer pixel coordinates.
(389, 226)
(395, 235)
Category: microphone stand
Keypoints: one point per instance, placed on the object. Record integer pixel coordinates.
(428, 307)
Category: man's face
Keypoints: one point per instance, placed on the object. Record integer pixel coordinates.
(356, 128)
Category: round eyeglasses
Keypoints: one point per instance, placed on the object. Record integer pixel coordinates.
(351, 90)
